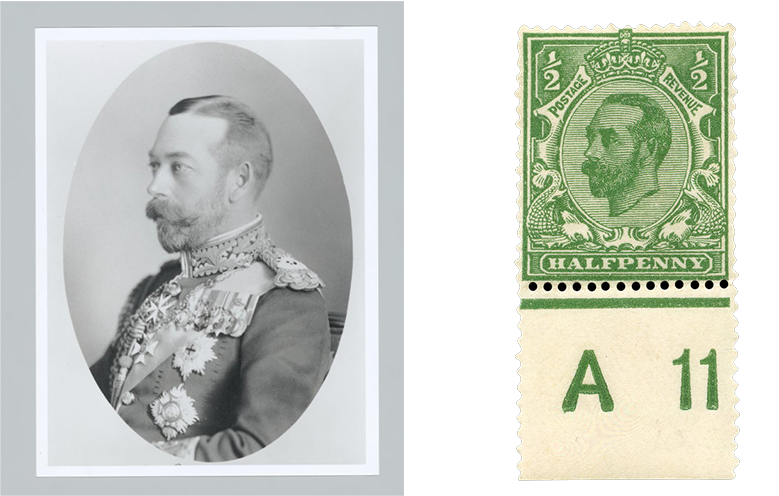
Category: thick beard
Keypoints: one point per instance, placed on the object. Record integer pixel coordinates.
(178, 230)
(609, 179)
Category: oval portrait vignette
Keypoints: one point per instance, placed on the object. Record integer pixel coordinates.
(664, 190)
(208, 252)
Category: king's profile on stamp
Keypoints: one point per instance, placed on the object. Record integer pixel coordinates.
(629, 137)
(221, 351)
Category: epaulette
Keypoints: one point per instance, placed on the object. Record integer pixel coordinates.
(289, 272)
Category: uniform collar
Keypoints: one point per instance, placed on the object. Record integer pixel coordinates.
(226, 251)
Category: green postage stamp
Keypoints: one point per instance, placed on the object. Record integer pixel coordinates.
(626, 253)
(625, 155)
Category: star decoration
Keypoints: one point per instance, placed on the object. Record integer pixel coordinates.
(134, 348)
(149, 348)
(174, 412)
(158, 309)
(194, 356)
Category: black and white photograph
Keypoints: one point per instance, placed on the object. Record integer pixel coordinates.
(211, 246)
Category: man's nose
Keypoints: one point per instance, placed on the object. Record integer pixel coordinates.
(160, 182)
(594, 150)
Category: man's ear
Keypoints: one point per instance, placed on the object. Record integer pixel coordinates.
(648, 151)
(240, 180)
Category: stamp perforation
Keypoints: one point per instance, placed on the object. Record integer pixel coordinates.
(627, 285)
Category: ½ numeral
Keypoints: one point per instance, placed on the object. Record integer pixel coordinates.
(551, 74)
(712, 397)
(698, 73)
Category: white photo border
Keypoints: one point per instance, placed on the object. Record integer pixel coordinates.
(370, 299)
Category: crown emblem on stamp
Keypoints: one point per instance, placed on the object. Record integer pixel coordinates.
(626, 57)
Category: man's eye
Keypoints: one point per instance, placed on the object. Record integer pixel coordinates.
(177, 167)
(154, 166)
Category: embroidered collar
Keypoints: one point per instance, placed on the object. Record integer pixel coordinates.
(228, 251)
(240, 248)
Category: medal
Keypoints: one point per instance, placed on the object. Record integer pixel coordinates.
(149, 348)
(174, 412)
(194, 356)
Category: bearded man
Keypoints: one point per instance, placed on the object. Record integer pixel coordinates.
(220, 352)
(629, 137)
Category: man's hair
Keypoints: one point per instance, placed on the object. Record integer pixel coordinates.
(246, 139)
(654, 125)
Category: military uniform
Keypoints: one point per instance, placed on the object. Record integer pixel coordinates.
(219, 354)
